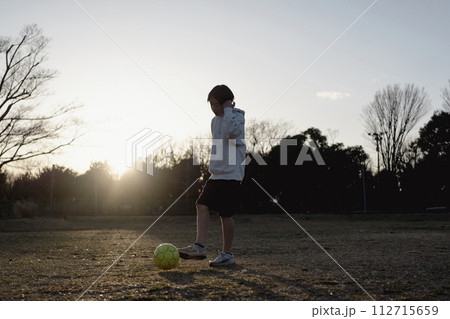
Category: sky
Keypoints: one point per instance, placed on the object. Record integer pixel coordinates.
(150, 64)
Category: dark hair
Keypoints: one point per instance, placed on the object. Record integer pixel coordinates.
(221, 93)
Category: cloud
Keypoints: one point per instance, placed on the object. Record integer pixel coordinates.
(332, 95)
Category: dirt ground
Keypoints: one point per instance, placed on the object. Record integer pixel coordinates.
(392, 257)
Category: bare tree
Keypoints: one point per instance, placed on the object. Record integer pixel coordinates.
(25, 132)
(446, 97)
(262, 136)
(392, 115)
(170, 153)
(332, 135)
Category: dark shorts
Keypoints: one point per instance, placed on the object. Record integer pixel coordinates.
(223, 196)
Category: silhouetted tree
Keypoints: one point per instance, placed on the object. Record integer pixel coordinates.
(394, 112)
(3, 185)
(411, 156)
(23, 187)
(261, 136)
(446, 97)
(305, 185)
(57, 182)
(434, 137)
(96, 184)
(427, 183)
(26, 131)
(432, 174)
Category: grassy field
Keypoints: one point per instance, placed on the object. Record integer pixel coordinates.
(394, 257)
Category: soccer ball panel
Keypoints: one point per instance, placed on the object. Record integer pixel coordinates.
(166, 256)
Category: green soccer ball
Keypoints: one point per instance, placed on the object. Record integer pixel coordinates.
(166, 256)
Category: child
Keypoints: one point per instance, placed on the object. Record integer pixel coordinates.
(221, 192)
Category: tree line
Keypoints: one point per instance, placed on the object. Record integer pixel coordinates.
(340, 185)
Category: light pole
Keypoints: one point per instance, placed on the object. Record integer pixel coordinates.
(363, 173)
(52, 189)
(377, 137)
(96, 192)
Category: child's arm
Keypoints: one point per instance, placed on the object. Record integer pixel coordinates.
(232, 126)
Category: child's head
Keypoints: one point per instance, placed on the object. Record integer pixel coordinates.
(219, 95)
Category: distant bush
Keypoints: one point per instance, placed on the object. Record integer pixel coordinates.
(25, 209)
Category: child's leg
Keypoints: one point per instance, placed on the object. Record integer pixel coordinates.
(227, 233)
(202, 224)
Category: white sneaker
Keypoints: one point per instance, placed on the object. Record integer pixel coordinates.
(224, 259)
(193, 251)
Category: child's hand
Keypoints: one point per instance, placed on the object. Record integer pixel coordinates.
(228, 103)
